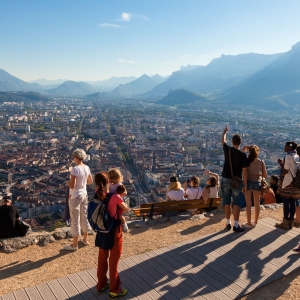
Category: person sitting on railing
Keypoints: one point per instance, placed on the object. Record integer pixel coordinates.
(194, 192)
(175, 193)
(212, 189)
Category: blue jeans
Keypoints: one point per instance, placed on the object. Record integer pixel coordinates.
(229, 192)
(255, 186)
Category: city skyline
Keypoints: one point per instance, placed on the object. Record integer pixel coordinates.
(95, 41)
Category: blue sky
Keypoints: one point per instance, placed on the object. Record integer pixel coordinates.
(97, 39)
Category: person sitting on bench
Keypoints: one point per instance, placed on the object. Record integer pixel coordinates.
(9, 214)
(194, 192)
(212, 189)
(175, 193)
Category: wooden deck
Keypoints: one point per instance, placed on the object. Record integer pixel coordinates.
(222, 265)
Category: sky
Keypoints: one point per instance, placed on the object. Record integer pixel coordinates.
(88, 40)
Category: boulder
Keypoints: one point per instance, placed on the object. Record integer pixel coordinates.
(46, 240)
(151, 222)
(59, 234)
(139, 224)
(14, 244)
(197, 217)
(262, 207)
(68, 232)
(162, 220)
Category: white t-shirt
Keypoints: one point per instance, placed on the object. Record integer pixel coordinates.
(291, 167)
(194, 193)
(81, 173)
(213, 192)
(113, 187)
(176, 195)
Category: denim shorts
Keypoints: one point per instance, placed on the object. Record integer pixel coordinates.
(255, 186)
(229, 192)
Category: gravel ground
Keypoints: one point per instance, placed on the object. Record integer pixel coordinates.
(34, 265)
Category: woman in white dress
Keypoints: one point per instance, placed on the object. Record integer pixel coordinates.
(212, 189)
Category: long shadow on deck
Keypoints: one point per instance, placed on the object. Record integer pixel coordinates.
(223, 265)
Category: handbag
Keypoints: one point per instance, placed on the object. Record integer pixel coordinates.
(263, 185)
(235, 180)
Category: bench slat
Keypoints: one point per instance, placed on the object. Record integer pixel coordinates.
(183, 202)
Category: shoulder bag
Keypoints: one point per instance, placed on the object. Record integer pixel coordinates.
(296, 178)
(235, 180)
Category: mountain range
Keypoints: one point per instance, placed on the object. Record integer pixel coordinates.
(267, 80)
(181, 96)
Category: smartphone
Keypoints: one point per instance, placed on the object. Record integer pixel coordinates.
(247, 148)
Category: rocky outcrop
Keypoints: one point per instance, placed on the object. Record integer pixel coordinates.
(42, 239)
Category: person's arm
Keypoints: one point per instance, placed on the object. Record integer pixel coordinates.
(124, 207)
(224, 135)
(264, 171)
(245, 177)
(71, 184)
(185, 190)
(17, 215)
(205, 194)
(214, 175)
(89, 179)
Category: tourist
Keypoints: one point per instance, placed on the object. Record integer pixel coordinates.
(255, 170)
(286, 188)
(269, 196)
(194, 192)
(297, 220)
(110, 244)
(211, 191)
(9, 214)
(233, 170)
(121, 190)
(78, 203)
(115, 180)
(175, 192)
(274, 185)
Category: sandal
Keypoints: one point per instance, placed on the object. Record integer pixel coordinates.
(105, 288)
(117, 295)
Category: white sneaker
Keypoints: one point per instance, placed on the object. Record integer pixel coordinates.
(124, 227)
(247, 225)
(71, 248)
(253, 224)
(85, 243)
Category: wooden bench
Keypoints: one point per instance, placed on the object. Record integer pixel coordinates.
(156, 208)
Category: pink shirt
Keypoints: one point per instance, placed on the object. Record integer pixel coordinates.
(112, 205)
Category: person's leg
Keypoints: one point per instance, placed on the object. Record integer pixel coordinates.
(292, 209)
(248, 205)
(285, 224)
(257, 205)
(102, 268)
(297, 220)
(74, 205)
(114, 257)
(226, 191)
(84, 223)
(236, 195)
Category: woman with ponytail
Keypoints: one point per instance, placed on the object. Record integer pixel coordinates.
(110, 244)
(255, 172)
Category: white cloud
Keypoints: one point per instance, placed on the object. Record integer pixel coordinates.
(108, 25)
(128, 16)
(126, 61)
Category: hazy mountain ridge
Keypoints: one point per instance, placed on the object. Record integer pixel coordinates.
(22, 96)
(73, 88)
(181, 96)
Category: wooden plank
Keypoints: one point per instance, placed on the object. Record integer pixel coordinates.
(162, 282)
(45, 291)
(33, 293)
(21, 295)
(91, 284)
(183, 202)
(9, 297)
(142, 289)
(81, 287)
(188, 286)
(69, 288)
(57, 290)
(148, 278)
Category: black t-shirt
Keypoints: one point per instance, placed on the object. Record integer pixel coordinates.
(8, 216)
(239, 161)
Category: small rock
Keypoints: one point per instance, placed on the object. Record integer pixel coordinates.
(177, 219)
(92, 232)
(179, 230)
(63, 243)
(139, 224)
(253, 208)
(197, 217)
(46, 240)
(211, 215)
(262, 207)
(151, 222)
(162, 220)
(59, 235)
